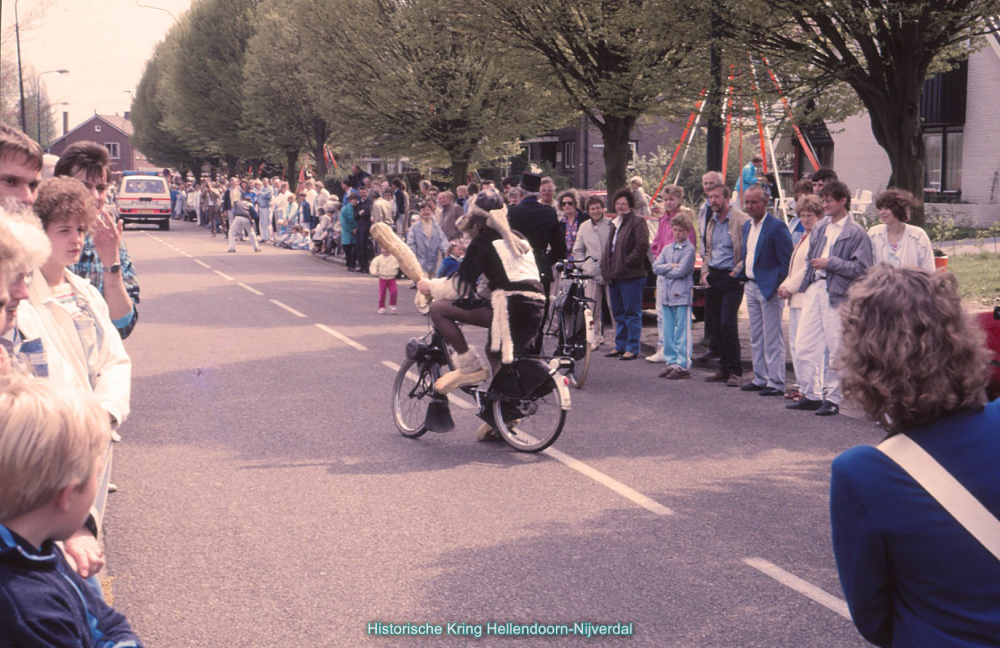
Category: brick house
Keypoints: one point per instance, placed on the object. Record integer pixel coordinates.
(114, 132)
(577, 151)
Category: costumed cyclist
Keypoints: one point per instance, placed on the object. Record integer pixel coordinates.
(508, 299)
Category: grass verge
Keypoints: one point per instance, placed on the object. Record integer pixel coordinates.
(978, 277)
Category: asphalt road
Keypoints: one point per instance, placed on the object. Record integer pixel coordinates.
(266, 498)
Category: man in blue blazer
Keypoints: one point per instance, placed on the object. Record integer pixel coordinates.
(767, 249)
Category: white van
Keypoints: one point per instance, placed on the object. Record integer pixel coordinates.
(144, 199)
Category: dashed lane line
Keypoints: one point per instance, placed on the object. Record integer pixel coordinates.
(202, 263)
(609, 482)
(340, 336)
(287, 308)
(253, 290)
(228, 278)
(803, 587)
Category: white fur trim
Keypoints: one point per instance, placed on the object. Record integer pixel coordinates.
(500, 337)
(443, 288)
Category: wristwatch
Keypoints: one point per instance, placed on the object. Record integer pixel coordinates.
(114, 269)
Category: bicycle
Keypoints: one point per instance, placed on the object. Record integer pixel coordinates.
(572, 316)
(525, 401)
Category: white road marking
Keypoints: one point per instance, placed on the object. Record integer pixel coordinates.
(343, 338)
(805, 588)
(455, 400)
(287, 308)
(629, 493)
(253, 290)
(202, 263)
(226, 277)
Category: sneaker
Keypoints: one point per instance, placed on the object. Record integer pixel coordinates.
(656, 357)
(230, 250)
(381, 311)
(392, 309)
(115, 437)
(718, 376)
(668, 372)
(734, 381)
(112, 488)
(679, 374)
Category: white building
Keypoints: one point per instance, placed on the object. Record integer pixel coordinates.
(961, 111)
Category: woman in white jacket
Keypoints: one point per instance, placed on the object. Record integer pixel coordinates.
(896, 243)
(810, 211)
(71, 319)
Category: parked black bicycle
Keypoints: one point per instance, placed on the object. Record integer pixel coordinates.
(571, 323)
(525, 401)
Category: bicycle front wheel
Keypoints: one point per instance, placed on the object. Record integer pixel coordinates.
(533, 420)
(411, 395)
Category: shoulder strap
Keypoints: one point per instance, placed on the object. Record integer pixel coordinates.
(959, 502)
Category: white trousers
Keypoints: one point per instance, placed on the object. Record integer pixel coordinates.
(599, 293)
(237, 224)
(817, 339)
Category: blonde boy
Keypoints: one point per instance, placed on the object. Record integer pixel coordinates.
(52, 443)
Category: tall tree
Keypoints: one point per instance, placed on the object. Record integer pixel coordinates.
(153, 136)
(409, 83)
(277, 107)
(616, 60)
(204, 89)
(882, 49)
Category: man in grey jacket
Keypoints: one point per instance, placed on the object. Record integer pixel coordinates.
(840, 253)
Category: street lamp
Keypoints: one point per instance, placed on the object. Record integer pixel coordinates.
(38, 98)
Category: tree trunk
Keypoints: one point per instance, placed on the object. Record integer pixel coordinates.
(231, 162)
(616, 132)
(459, 169)
(320, 132)
(895, 120)
(291, 173)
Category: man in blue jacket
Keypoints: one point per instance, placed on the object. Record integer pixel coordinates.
(767, 248)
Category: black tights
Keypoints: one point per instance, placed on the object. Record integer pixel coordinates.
(444, 314)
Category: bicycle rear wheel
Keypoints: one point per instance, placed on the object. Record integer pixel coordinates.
(531, 414)
(410, 398)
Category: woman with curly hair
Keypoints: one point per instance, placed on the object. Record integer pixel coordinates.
(912, 574)
(895, 242)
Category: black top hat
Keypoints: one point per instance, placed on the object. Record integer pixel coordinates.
(531, 182)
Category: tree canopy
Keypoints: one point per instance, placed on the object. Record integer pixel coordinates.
(882, 49)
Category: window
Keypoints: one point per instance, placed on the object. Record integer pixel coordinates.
(113, 152)
(569, 155)
(97, 128)
(943, 160)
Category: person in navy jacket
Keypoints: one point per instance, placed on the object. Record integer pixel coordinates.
(914, 362)
(767, 249)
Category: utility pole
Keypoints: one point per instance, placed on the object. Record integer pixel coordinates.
(713, 144)
(20, 77)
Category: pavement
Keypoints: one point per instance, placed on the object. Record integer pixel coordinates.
(265, 497)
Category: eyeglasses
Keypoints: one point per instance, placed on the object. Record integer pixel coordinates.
(567, 203)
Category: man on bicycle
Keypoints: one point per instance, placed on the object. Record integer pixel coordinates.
(497, 285)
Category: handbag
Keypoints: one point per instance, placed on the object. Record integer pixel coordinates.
(959, 502)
